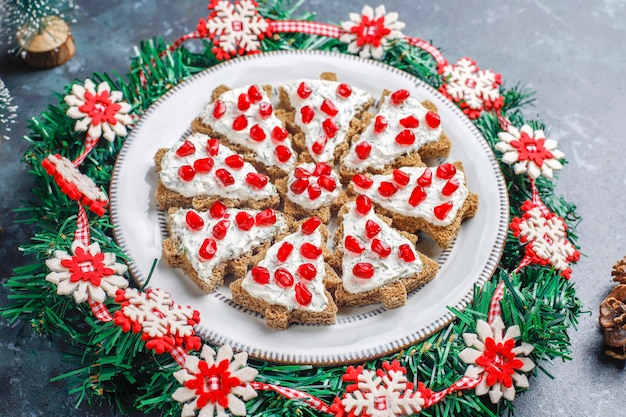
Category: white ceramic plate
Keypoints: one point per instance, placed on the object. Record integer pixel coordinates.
(360, 333)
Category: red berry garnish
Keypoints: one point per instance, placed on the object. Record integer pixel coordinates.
(352, 244)
(265, 110)
(344, 90)
(446, 171)
(405, 138)
(362, 181)
(284, 251)
(243, 102)
(417, 196)
(240, 123)
(307, 113)
(381, 248)
(208, 249)
(380, 123)
(311, 225)
(219, 109)
(387, 189)
(363, 270)
(217, 210)
(409, 122)
(203, 165)
(186, 149)
(279, 134)
(322, 168)
(235, 161)
(319, 145)
(300, 172)
(406, 253)
(258, 181)
(433, 120)
(254, 94)
(399, 97)
(329, 107)
(363, 204)
(225, 177)
(244, 220)
(299, 185)
(442, 210)
(194, 221)
(327, 182)
(265, 217)
(330, 128)
(220, 229)
(304, 91)
(371, 228)
(186, 172)
(400, 177)
(310, 251)
(314, 191)
(260, 275)
(363, 150)
(283, 278)
(451, 186)
(283, 154)
(426, 178)
(303, 295)
(307, 271)
(257, 133)
(212, 146)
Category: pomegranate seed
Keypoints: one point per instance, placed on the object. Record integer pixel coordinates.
(387, 189)
(311, 225)
(409, 122)
(265, 217)
(310, 251)
(451, 186)
(327, 182)
(319, 145)
(380, 124)
(208, 249)
(406, 253)
(363, 150)
(219, 109)
(344, 90)
(299, 185)
(283, 278)
(399, 97)
(203, 165)
(258, 181)
(426, 178)
(381, 248)
(322, 168)
(243, 102)
(330, 128)
(400, 177)
(363, 204)
(442, 210)
(234, 161)
(301, 173)
(244, 220)
(417, 196)
(284, 251)
(307, 271)
(217, 210)
(283, 154)
(352, 244)
(257, 133)
(362, 181)
(194, 221)
(314, 191)
(212, 146)
(254, 94)
(433, 120)
(186, 149)
(371, 228)
(446, 171)
(303, 295)
(186, 172)
(279, 134)
(405, 138)
(307, 113)
(329, 108)
(240, 123)
(220, 229)
(265, 110)
(260, 275)
(225, 177)
(304, 91)
(364, 270)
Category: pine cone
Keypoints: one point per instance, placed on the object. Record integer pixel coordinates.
(619, 271)
(613, 321)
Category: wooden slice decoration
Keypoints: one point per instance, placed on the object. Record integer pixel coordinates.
(49, 45)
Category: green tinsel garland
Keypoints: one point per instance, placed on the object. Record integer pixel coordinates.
(115, 367)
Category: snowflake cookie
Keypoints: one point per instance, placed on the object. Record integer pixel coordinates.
(369, 33)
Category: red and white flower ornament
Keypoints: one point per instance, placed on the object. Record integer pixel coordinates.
(369, 33)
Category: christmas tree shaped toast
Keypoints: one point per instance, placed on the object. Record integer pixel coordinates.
(208, 245)
(245, 119)
(287, 285)
(199, 170)
(323, 115)
(377, 262)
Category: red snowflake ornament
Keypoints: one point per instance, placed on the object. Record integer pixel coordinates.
(369, 33)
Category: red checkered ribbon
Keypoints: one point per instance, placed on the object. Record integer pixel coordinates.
(311, 28)
(494, 305)
(463, 384)
(316, 403)
(503, 122)
(100, 311)
(82, 227)
(179, 355)
(537, 200)
(436, 54)
(90, 143)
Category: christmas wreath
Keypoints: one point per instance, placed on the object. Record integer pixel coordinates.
(136, 347)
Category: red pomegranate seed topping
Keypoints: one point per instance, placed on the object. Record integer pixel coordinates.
(381, 248)
(327, 182)
(219, 109)
(217, 210)
(319, 145)
(284, 251)
(258, 181)
(265, 217)
(194, 221)
(426, 178)
(329, 107)
(243, 102)
(363, 270)
(257, 133)
(203, 165)
(307, 271)
(380, 124)
(387, 189)
(371, 228)
(304, 91)
(314, 191)
(311, 225)
(254, 94)
(208, 249)
(299, 185)
(234, 161)
(300, 172)
(409, 122)
(186, 149)
(310, 251)
(260, 275)
(225, 177)
(220, 229)
(446, 171)
(212, 146)
(186, 172)
(417, 196)
(433, 120)
(363, 204)
(406, 253)
(451, 186)
(307, 113)
(330, 128)
(362, 181)
(405, 138)
(283, 278)
(240, 123)
(400, 177)
(363, 150)
(399, 97)
(352, 244)
(322, 168)
(303, 295)
(442, 210)
(265, 110)
(279, 134)
(283, 154)
(244, 220)
(344, 90)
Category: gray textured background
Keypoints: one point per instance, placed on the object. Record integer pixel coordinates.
(571, 52)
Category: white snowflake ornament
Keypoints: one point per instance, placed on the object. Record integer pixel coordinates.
(369, 33)
(529, 152)
(215, 386)
(98, 110)
(495, 359)
(86, 273)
